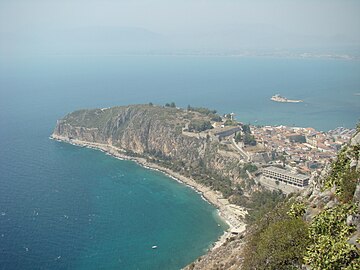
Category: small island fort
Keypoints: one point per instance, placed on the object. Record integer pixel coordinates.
(282, 99)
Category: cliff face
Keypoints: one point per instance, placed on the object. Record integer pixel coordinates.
(138, 129)
(151, 131)
(158, 133)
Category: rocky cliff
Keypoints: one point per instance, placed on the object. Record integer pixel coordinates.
(139, 129)
(161, 135)
(157, 133)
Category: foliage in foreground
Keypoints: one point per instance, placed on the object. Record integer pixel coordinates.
(342, 176)
(329, 234)
(283, 240)
(261, 202)
(279, 241)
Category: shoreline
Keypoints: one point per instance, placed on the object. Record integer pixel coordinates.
(231, 214)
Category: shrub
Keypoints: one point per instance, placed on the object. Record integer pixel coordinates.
(329, 249)
(279, 241)
(262, 202)
(297, 210)
(342, 176)
(230, 122)
(199, 125)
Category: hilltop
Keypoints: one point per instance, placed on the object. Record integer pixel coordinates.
(182, 140)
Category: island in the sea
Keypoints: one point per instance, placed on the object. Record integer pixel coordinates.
(279, 98)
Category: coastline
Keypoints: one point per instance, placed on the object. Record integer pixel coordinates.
(231, 214)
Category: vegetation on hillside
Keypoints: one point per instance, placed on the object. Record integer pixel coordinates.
(260, 203)
(212, 114)
(283, 240)
(238, 137)
(245, 136)
(342, 176)
(199, 125)
(278, 242)
(249, 139)
(172, 105)
(100, 118)
(329, 233)
(230, 122)
(283, 237)
(198, 172)
(201, 110)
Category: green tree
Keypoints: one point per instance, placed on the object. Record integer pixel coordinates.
(238, 190)
(282, 158)
(278, 242)
(230, 122)
(216, 118)
(262, 202)
(199, 125)
(250, 167)
(249, 139)
(246, 129)
(282, 245)
(329, 249)
(201, 110)
(238, 137)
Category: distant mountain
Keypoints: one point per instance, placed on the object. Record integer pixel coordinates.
(260, 36)
(85, 40)
(257, 38)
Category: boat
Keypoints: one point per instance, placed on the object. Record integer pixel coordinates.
(154, 247)
(279, 98)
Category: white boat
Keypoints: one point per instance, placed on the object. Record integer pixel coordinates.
(154, 247)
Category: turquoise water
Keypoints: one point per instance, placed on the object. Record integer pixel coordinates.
(65, 207)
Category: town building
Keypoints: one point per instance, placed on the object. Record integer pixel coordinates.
(284, 176)
(226, 132)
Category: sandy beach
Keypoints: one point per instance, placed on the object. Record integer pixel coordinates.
(232, 214)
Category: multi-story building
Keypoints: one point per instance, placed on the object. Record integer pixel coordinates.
(284, 176)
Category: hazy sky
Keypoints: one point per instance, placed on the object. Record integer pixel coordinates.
(196, 23)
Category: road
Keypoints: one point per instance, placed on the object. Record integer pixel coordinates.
(242, 152)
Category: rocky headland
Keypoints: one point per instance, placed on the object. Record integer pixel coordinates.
(318, 229)
(159, 138)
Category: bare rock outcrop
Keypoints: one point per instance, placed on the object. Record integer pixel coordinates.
(154, 132)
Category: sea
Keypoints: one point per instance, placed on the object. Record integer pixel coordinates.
(67, 207)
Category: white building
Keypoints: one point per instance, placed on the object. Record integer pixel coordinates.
(284, 176)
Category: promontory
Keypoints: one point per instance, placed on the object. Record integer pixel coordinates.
(294, 220)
